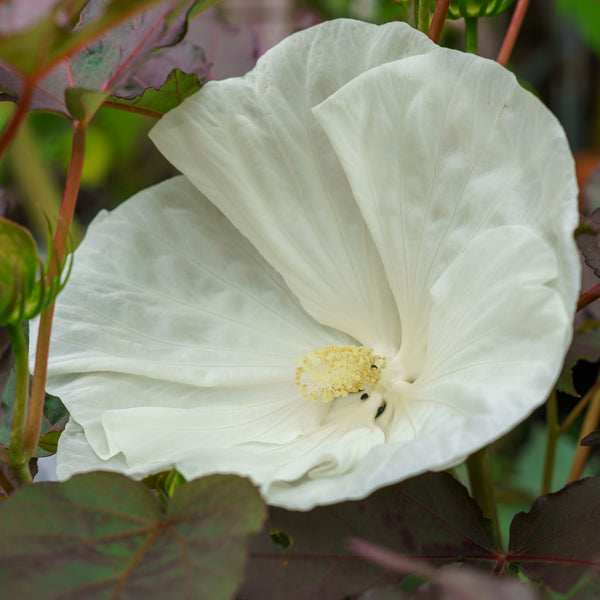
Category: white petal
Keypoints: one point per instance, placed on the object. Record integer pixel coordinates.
(438, 148)
(166, 288)
(169, 307)
(253, 147)
(266, 433)
(496, 336)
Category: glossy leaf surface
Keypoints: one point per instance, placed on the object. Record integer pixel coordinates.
(101, 535)
(557, 541)
(430, 516)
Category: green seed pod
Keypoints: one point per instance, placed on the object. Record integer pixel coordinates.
(477, 8)
(25, 287)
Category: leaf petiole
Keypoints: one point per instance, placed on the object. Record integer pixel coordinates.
(18, 458)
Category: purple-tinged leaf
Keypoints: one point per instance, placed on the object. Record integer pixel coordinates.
(591, 439)
(588, 246)
(427, 517)
(106, 62)
(65, 30)
(558, 540)
(101, 535)
(453, 583)
(156, 102)
(211, 49)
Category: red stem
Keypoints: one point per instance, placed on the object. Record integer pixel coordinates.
(439, 18)
(513, 31)
(17, 118)
(588, 297)
(38, 386)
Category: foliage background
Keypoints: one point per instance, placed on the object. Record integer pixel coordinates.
(556, 56)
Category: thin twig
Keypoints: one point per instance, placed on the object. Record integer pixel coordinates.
(36, 402)
(588, 297)
(439, 18)
(513, 31)
(590, 423)
(551, 440)
(579, 408)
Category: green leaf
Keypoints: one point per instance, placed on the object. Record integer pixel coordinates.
(44, 34)
(49, 441)
(82, 104)
(19, 265)
(157, 102)
(558, 540)
(103, 536)
(430, 516)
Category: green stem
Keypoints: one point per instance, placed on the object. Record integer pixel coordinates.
(424, 17)
(471, 44)
(38, 387)
(412, 13)
(17, 441)
(479, 466)
(553, 431)
(438, 20)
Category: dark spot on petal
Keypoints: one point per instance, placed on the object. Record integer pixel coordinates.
(380, 410)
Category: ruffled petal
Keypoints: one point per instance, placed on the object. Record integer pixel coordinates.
(439, 148)
(168, 307)
(266, 433)
(253, 147)
(496, 338)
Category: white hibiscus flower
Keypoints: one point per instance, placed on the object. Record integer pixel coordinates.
(367, 272)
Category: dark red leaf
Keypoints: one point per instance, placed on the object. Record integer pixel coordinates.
(592, 439)
(558, 540)
(101, 535)
(428, 517)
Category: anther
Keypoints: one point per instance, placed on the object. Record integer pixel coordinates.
(336, 371)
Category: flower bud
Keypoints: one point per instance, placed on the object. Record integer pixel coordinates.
(477, 8)
(25, 287)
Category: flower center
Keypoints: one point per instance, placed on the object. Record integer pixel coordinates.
(336, 371)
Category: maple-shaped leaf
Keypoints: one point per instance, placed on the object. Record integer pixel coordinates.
(210, 49)
(304, 555)
(101, 535)
(77, 84)
(558, 540)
